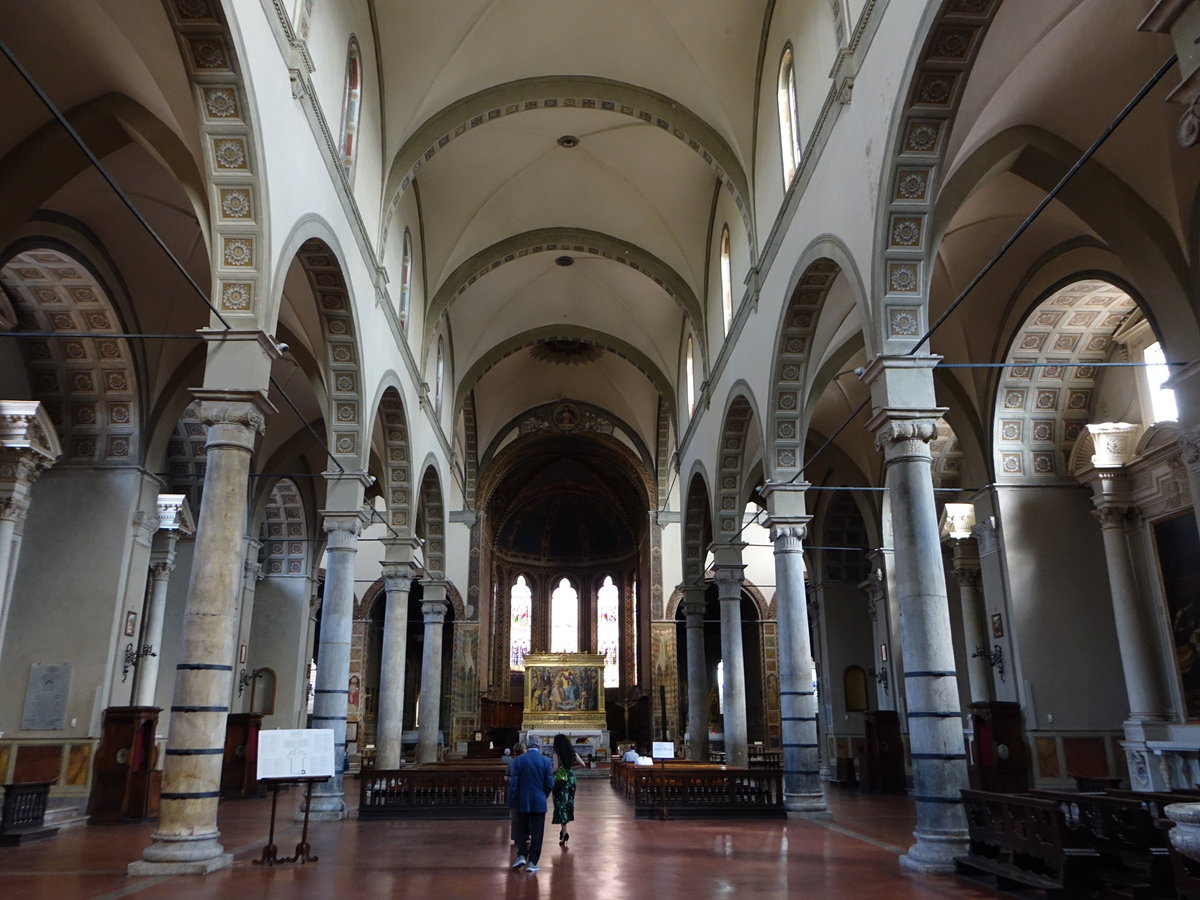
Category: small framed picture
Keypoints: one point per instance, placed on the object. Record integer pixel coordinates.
(997, 626)
(351, 732)
(130, 623)
(242, 653)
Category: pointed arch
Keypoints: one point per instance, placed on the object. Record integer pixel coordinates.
(697, 526)
(397, 462)
(431, 522)
(740, 417)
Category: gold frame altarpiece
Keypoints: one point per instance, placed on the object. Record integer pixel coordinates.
(564, 691)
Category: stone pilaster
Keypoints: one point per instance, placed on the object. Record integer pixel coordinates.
(331, 694)
(434, 609)
(728, 577)
(787, 521)
(1186, 384)
(28, 446)
(186, 838)
(904, 422)
(697, 671)
(398, 574)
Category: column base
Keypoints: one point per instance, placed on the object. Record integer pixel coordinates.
(326, 812)
(182, 855)
(806, 806)
(933, 854)
(144, 867)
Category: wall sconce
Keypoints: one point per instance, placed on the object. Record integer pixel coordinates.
(133, 657)
(994, 658)
(244, 679)
(881, 677)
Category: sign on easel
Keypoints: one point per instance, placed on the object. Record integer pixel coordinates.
(294, 753)
(662, 749)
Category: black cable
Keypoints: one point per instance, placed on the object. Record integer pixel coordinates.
(98, 166)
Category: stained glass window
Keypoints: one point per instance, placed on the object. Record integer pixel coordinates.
(520, 634)
(608, 631)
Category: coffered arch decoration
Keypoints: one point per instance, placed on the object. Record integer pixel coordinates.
(697, 529)
(566, 92)
(397, 465)
(470, 451)
(284, 532)
(344, 378)
(187, 458)
(237, 201)
(947, 455)
(558, 241)
(431, 524)
(791, 365)
(568, 334)
(731, 461)
(922, 131)
(1045, 397)
(88, 385)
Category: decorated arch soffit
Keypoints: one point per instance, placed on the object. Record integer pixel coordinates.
(432, 515)
(284, 532)
(234, 168)
(731, 461)
(535, 336)
(697, 528)
(947, 455)
(344, 422)
(186, 456)
(791, 365)
(397, 487)
(922, 129)
(87, 385)
(470, 450)
(1045, 396)
(557, 241)
(567, 92)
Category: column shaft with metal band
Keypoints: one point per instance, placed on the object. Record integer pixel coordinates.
(398, 574)
(727, 562)
(697, 671)
(434, 609)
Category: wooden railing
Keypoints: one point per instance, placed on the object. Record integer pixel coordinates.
(683, 789)
(441, 791)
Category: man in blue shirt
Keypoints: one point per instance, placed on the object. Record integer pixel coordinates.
(530, 780)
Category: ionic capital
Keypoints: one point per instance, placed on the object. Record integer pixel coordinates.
(398, 577)
(234, 418)
(903, 436)
(729, 580)
(434, 611)
(343, 528)
(788, 537)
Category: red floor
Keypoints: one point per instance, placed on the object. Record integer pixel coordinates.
(610, 855)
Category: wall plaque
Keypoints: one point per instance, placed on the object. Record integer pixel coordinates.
(46, 697)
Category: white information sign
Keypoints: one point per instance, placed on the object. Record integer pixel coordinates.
(295, 753)
(663, 750)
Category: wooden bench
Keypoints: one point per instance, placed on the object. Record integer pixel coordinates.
(437, 791)
(686, 790)
(1026, 842)
(1135, 852)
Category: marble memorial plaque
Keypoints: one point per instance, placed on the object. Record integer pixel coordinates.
(46, 697)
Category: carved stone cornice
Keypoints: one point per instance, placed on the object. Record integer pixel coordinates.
(25, 426)
(175, 514)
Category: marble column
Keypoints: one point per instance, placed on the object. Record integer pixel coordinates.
(174, 520)
(434, 609)
(728, 577)
(28, 446)
(186, 840)
(786, 519)
(904, 422)
(884, 648)
(957, 521)
(397, 579)
(332, 692)
(697, 672)
(252, 574)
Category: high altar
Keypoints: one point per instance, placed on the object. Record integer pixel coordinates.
(564, 692)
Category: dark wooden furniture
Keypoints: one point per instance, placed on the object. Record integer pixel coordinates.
(125, 778)
(239, 765)
(1134, 849)
(883, 753)
(999, 761)
(22, 820)
(1027, 842)
(458, 790)
(679, 789)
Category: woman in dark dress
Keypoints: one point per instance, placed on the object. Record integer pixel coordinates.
(565, 760)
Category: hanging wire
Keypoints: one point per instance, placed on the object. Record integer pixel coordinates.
(149, 229)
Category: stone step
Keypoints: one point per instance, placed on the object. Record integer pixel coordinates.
(71, 815)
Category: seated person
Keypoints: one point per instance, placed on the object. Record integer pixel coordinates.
(631, 755)
(643, 759)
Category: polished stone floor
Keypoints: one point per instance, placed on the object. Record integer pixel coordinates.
(610, 855)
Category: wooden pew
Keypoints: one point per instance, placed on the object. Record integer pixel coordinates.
(436, 791)
(690, 790)
(1135, 852)
(1026, 842)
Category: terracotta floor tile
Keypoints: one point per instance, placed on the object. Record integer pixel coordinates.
(609, 855)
